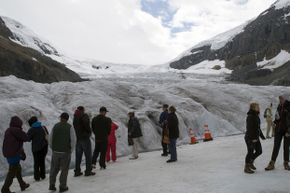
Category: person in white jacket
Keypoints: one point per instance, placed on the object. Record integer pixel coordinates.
(62, 143)
(268, 115)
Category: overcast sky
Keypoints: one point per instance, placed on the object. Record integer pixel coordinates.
(130, 31)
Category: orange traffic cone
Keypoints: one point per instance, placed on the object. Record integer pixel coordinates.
(207, 134)
(193, 139)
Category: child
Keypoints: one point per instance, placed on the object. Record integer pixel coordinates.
(112, 140)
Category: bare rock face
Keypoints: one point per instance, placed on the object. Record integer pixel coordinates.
(262, 38)
(30, 64)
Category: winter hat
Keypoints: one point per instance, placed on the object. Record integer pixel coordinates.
(103, 109)
(64, 116)
(32, 120)
(16, 122)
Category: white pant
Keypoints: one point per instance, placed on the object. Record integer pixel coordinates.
(269, 127)
(135, 147)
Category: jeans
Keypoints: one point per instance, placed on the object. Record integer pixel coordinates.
(39, 163)
(83, 146)
(172, 149)
(14, 171)
(254, 150)
(277, 143)
(59, 162)
(100, 148)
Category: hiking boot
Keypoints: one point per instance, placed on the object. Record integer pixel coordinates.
(63, 189)
(248, 170)
(252, 166)
(171, 160)
(77, 174)
(133, 158)
(271, 166)
(3, 190)
(90, 174)
(24, 186)
(52, 188)
(286, 166)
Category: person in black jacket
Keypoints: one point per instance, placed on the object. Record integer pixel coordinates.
(163, 124)
(38, 135)
(253, 133)
(101, 126)
(281, 132)
(172, 124)
(134, 133)
(81, 123)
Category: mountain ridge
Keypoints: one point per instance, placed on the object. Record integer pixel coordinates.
(262, 38)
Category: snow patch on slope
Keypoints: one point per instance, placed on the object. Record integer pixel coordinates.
(222, 39)
(280, 4)
(282, 58)
(208, 67)
(27, 38)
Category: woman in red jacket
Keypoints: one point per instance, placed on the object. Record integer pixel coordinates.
(112, 140)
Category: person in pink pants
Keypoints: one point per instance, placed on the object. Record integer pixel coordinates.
(112, 140)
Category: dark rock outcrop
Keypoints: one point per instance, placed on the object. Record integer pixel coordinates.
(262, 38)
(29, 64)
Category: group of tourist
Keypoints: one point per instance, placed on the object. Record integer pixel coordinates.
(280, 130)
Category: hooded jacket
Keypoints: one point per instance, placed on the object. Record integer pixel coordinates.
(253, 131)
(13, 139)
(281, 122)
(112, 137)
(81, 125)
(101, 126)
(134, 128)
(172, 125)
(37, 134)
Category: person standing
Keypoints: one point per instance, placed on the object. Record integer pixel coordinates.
(81, 123)
(38, 135)
(253, 133)
(269, 120)
(134, 133)
(112, 141)
(172, 124)
(62, 143)
(163, 124)
(14, 138)
(101, 126)
(281, 132)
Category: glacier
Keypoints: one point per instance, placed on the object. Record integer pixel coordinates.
(213, 101)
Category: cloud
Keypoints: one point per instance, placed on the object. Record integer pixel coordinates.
(130, 31)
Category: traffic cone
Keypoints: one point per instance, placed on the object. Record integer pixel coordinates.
(193, 139)
(207, 134)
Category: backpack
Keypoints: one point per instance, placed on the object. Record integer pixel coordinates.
(46, 133)
(265, 113)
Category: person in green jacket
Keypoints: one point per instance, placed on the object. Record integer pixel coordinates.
(62, 142)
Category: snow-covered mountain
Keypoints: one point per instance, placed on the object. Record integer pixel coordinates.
(256, 52)
(89, 68)
(26, 37)
(23, 55)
